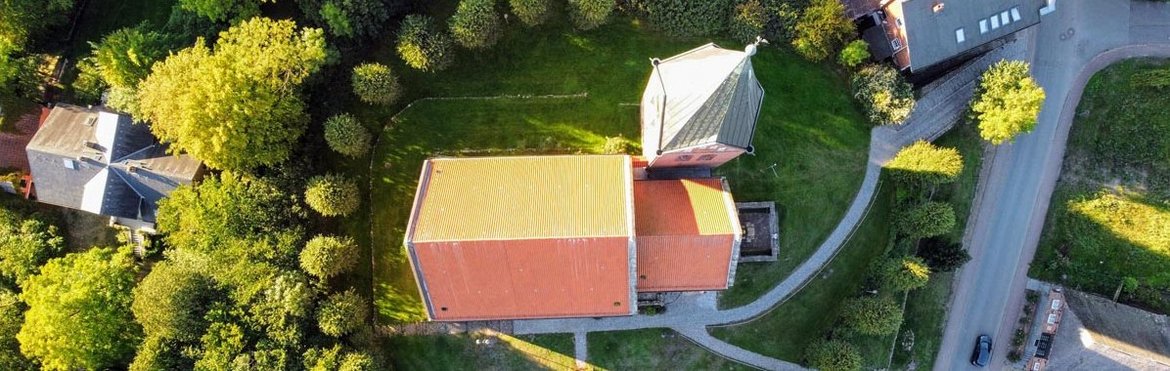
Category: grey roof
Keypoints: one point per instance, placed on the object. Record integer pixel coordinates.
(930, 35)
(102, 162)
(706, 95)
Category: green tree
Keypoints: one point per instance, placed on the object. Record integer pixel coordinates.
(854, 53)
(749, 20)
(905, 274)
(942, 255)
(833, 355)
(354, 18)
(221, 210)
(323, 359)
(79, 311)
(223, 10)
(422, 45)
(589, 14)
(326, 256)
(926, 162)
(884, 94)
(357, 361)
(1007, 101)
(26, 243)
(172, 300)
(11, 316)
(475, 24)
(347, 136)
(124, 57)
(871, 315)
(237, 107)
(927, 220)
(332, 195)
(821, 29)
(686, 17)
(21, 20)
(531, 12)
(373, 83)
(157, 353)
(342, 313)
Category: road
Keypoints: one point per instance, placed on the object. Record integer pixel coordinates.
(1067, 47)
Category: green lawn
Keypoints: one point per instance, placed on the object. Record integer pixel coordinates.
(460, 352)
(652, 349)
(1111, 209)
(786, 331)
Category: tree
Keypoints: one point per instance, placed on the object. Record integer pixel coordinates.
(905, 274)
(475, 24)
(326, 257)
(354, 18)
(927, 220)
(872, 315)
(684, 17)
(373, 83)
(357, 361)
(171, 302)
(219, 211)
(11, 316)
(422, 45)
(748, 20)
(237, 107)
(589, 14)
(342, 313)
(942, 255)
(26, 243)
(833, 355)
(79, 311)
(157, 353)
(332, 195)
(821, 29)
(21, 20)
(124, 57)
(1007, 102)
(347, 136)
(223, 10)
(854, 53)
(884, 94)
(323, 359)
(923, 161)
(531, 12)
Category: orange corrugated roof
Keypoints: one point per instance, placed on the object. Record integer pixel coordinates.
(523, 197)
(683, 207)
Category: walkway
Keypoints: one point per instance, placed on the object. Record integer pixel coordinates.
(942, 105)
(1067, 48)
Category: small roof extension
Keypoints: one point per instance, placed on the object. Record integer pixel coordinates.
(688, 234)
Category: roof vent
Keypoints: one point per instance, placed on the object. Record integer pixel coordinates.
(93, 145)
(132, 169)
(90, 120)
(938, 7)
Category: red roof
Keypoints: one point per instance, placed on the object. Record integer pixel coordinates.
(688, 234)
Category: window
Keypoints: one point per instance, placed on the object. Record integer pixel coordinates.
(960, 37)
(982, 26)
(994, 22)
(1003, 18)
(685, 157)
(898, 21)
(1016, 14)
(896, 43)
(69, 163)
(706, 157)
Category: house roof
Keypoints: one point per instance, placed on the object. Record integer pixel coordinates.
(932, 35)
(706, 95)
(687, 231)
(101, 162)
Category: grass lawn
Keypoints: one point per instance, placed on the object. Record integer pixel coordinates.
(652, 349)
(786, 331)
(1111, 209)
(460, 352)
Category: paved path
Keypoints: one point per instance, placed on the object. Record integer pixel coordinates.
(581, 350)
(1067, 47)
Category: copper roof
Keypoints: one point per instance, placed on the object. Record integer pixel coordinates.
(688, 232)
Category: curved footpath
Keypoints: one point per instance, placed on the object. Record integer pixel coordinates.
(941, 105)
(1067, 48)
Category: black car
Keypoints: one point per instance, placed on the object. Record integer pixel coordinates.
(982, 353)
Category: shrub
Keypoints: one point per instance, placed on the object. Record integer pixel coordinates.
(833, 355)
(1007, 102)
(326, 257)
(873, 315)
(884, 95)
(821, 29)
(422, 45)
(588, 14)
(332, 195)
(854, 53)
(781, 27)
(615, 145)
(171, 302)
(942, 255)
(748, 21)
(690, 17)
(373, 83)
(475, 24)
(342, 313)
(357, 361)
(347, 136)
(926, 220)
(905, 274)
(923, 161)
(531, 12)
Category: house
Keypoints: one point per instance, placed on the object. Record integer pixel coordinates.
(101, 162)
(562, 236)
(700, 107)
(922, 36)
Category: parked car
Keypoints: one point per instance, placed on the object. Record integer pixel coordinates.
(982, 353)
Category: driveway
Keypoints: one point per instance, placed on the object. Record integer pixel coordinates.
(1067, 47)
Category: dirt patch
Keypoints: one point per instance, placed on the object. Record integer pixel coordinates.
(85, 230)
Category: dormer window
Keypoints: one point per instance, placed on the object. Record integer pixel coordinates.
(69, 163)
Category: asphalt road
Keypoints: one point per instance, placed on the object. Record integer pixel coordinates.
(1068, 45)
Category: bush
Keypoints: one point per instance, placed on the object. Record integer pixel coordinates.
(475, 24)
(326, 257)
(342, 313)
(347, 136)
(905, 274)
(927, 220)
(821, 29)
(884, 95)
(422, 45)
(171, 302)
(615, 145)
(854, 53)
(588, 14)
(833, 355)
(332, 195)
(531, 12)
(748, 21)
(373, 83)
(925, 162)
(690, 17)
(942, 255)
(873, 315)
(1007, 102)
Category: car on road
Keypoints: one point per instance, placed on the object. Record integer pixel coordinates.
(982, 353)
